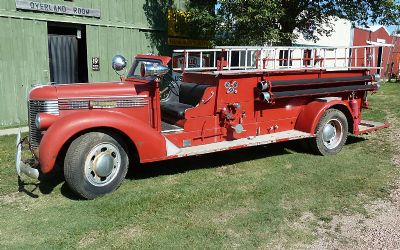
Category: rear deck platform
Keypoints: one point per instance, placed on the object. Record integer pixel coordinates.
(370, 126)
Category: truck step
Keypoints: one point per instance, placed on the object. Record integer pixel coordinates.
(370, 126)
(244, 142)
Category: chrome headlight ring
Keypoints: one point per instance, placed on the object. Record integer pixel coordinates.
(37, 121)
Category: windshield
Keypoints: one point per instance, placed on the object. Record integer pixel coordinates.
(137, 64)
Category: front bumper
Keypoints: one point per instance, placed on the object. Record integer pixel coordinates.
(24, 167)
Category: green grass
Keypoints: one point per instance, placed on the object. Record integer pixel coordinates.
(245, 198)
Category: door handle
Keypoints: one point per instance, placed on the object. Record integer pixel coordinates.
(208, 99)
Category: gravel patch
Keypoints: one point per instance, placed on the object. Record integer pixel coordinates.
(380, 229)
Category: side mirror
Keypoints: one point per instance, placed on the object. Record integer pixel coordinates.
(153, 69)
(118, 63)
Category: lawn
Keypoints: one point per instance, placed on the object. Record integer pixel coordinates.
(265, 197)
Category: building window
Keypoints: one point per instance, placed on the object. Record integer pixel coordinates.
(307, 57)
(285, 57)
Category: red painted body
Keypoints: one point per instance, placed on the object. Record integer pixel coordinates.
(87, 107)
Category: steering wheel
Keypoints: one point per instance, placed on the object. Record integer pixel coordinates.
(172, 85)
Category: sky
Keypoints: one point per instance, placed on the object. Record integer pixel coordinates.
(391, 28)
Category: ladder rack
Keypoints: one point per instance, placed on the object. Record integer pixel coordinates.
(266, 59)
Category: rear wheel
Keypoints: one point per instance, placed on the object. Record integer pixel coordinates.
(95, 164)
(331, 133)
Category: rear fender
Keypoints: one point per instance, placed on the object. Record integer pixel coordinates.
(149, 143)
(308, 119)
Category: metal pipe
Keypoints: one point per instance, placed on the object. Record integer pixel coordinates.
(323, 91)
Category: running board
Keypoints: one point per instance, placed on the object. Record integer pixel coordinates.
(244, 142)
(370, 126)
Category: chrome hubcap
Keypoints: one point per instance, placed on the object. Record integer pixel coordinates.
(102, 164)
(329, 132)
(332, 133)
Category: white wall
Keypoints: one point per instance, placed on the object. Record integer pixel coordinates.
(341, 36)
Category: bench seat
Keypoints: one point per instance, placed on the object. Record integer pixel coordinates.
(190, 95)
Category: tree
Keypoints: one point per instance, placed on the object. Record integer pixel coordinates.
(257, 22)
(199, 19)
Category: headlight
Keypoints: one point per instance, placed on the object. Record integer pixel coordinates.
(37, 121)
(44, 120)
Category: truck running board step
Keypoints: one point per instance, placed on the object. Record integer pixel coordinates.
(370, 126)
(244, 142)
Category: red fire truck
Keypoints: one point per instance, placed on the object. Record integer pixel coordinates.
(244, 96)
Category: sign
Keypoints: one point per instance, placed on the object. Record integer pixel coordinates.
(380, 40)
(186, 42)
(95, 63)
(56, 8)
(176, 36)
(193, 62)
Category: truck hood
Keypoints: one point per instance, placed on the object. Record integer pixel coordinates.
(86, 90)
(95, 90)
(44, 92)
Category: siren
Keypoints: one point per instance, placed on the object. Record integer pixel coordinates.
(153, 69)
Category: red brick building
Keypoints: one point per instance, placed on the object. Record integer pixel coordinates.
(388, 57)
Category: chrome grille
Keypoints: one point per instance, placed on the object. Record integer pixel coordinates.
(73, 104)
(134, 102)
(35, 107)
(104, 102)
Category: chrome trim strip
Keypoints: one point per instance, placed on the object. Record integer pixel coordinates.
(113, 102)
(105, 97)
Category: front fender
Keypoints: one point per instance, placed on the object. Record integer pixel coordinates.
(308, 119)
(149, 143)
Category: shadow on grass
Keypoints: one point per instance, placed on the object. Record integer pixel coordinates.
(54, 179)
(68, 193)
(50, 181)
(27, 188)
(212, 160)
(46, 185)
(354, 139)
(175, 166)
(302, 146)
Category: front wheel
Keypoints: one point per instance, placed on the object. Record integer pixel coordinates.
(95, 164)
(331, 133)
